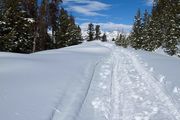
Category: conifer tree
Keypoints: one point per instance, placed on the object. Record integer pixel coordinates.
(170, 31)
(152, 39)
(2, 24)
(69, 33)
(113, 39)
(145, 34)
(97, 32)
(104, 38)
(53, 17)
(43, 37)
(62, 29)
(74, 32)
(24, 25)
(91, 32)
(17, 33)
(136, 34)
(177, 20)
(121, 40)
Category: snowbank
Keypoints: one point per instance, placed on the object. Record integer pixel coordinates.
(38, 86)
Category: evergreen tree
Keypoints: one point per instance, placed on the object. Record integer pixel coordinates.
(2, 6)
(24, 25)
(104, 38)
(2, 24)
(91, 32)
(42, 26)
(170, 30)
(32, 8)
(152, 39)
(177, 20)
(121, 40)
(145, 34)
(53, 17)
(136, 34)
(113, 39)
(97, 32)
(69, 33)
(74, 32)
(62, 37)
(16, 32)
(78, 34)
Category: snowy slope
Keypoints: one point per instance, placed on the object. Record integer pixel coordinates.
(92, 81)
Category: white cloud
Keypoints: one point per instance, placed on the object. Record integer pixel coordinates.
(82, 19)
(87, 7)
(149, 2)
(109, 26)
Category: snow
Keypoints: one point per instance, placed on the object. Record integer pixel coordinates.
(1, 22)
(91, 81)
(110, 34)
(30, 20)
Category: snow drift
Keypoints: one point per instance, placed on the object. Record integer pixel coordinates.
(76, 83)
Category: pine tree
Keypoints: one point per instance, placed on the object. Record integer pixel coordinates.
(2, 6)
(121, 40)
(24, 25)
(53, 17)
(91, 32)
(2, 24)
(16, 33)
(113, 39)
(74, 32)
(78, 35)
(62, 36)
(153, 40)
(69, 33)
(145, 25)
(169, 21)
(104, 38)
(43, 37)
(97, 32)
(136, 34)
(177, 20)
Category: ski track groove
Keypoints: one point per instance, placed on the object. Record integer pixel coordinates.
(136, 93)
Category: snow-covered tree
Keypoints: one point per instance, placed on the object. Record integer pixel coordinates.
(104, 38)
(97, 32)
(170, 27)
(121, 40)
(136, 34)
(16, 32)
(69, 33)
(145, 34)
(91, 32)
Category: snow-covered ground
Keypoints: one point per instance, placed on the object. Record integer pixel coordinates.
(91, 81)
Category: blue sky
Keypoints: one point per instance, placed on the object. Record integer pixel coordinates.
(111, 14)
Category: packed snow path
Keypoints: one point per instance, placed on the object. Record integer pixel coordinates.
(135, 94)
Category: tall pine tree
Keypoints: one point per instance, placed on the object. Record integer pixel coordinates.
(136, 34)
(91, 32)
(97, 32)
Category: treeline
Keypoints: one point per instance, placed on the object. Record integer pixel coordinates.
(161, 28)
(28, 26)
(94, 33)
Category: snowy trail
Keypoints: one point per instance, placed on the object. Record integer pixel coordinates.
(92, 81)
(136, 94)
(126, 90)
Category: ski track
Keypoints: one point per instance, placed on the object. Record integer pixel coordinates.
(134, 93)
